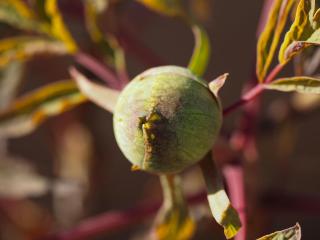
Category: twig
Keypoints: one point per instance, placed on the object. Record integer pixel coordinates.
(253, 92)
(116, 220)
(97, 68)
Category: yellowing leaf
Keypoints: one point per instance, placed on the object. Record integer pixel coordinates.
(166, 7)
(270, 37)
(26, 113)
(293, 233)
(299, 84)
(202, 50)
(101, 95)
(17, 14)
(219, 203)
(304, 32)
(23, 48)
(173, 221)
(58, 28)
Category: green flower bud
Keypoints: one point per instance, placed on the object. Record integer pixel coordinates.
(166, 119)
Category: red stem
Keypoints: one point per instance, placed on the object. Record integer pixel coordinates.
(99, 69)
(254, 92)
(116, 220)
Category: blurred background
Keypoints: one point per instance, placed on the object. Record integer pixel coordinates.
(70, 168)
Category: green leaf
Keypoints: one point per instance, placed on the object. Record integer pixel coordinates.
(293, 233)
(101, 95)
(301, 84)
(304, 32)
(201, 52)
(57, 27)
(173, 221)
(270, 37)
(219, 203)
(171, 8)
(27, 112)
(17, 14)
(23, 48)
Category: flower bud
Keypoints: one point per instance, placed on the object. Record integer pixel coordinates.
(166, 119)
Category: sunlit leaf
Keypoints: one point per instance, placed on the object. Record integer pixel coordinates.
(18, 179)
(173, 220)
(166, 7)
(58, 28)
(219, 203)
(17, 14)
(270, 37)
(202, 50)
(26, 113)
(101, 95)
(10, 77)
(304, 32)
(293, 233)
(23, 48)
(299, 84)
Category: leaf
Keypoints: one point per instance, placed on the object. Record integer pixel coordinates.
(93, 9)
(218, 83)
(17, 14)
(173, 221)
(219, 203)
(26, 113)
(10, 77)
(293, 233)
(58, 28)
(23, 48)
(304, 32)
(270, 37)
(301, 84)
(18, 179)
(201, 52)
(171, 8)
(101, 95)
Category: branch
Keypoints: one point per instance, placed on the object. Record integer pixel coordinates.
(253, 92)
(116, 220)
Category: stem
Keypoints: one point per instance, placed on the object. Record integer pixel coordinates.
(99, 69)
(254, 92)
(117, 220)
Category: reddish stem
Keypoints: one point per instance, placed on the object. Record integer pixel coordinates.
(116, 220)
(99, 69)
(254, 92)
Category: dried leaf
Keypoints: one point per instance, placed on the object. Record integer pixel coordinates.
(301, 84)
(26, 113)
(201, 52)
(270, 37)
(18, 179)
(58, 28)
(173, 221)
(101, 95)
(293, 233)
(218, 83)
(23, 48)
(304, 32)
(219, 203)
(166, 7)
